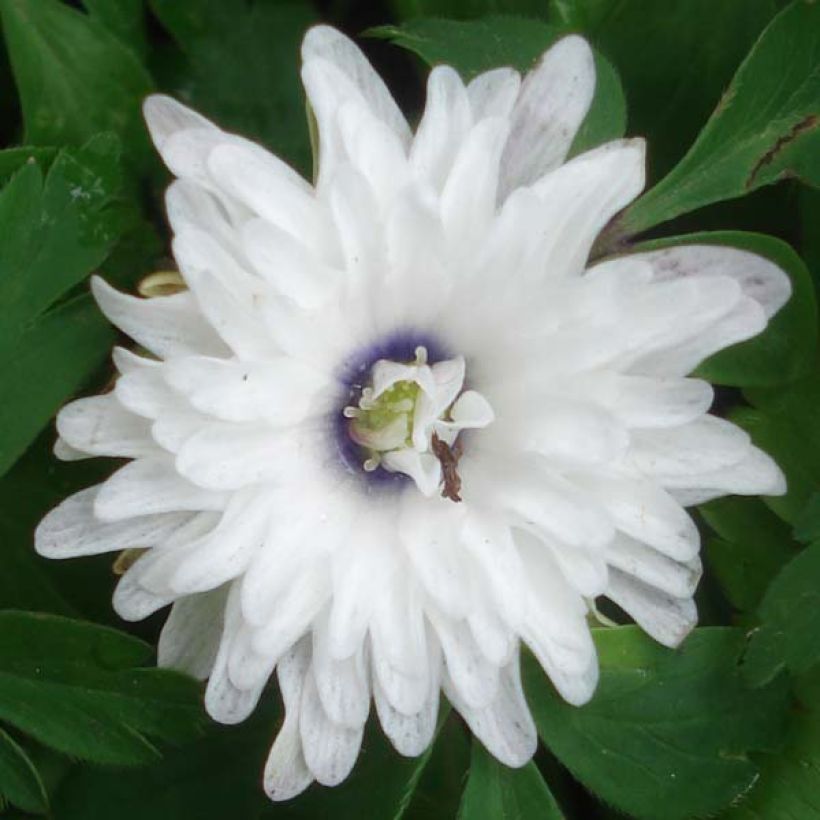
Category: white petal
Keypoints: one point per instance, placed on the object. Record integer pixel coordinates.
(755, 474)
(488, 540)
(554, 505)
(505, 726)
(133, 602)
(223, 295)
(706, 444)
(165, 325)
(579, 198)
(192, 207)
(165, 117)
(190, 637)
(647, 513)
(326, 43)
(676, 578)
(401, 650)
(667, 619)
(263, 184)
(226, 456)
(472, 676)
(294, 611)
(330, 749)
(100, 426)
(468, 197)
(71, 529)
(745, 320)
(286, 773)
(645, 402)
(343, 685)
(556, 628)
(759, 278)
(571, 433)
(555, 97)
(412, 733)
(287, 264)
(374, 150)
(493, 93)
(280, 390)
(443, 127)
(225, 702)
(148, 486)
(359, 570)
(429, 533)
(224, 553)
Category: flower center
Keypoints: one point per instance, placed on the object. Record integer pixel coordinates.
(409, 417)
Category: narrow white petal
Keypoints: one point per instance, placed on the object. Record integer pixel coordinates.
(443, 127)
(706, 444)
(330, 749)
(288, 264)
(401, 648)
(101, 426)
(166, 117)
(429, 534)
(493, 93)
(744, 321)
(326, 43)
(676, 578)
(667, 619)
(190, 637)
(647, 513)
(224, 701)
(343, 685)
(165, 325)
(411, 733)
(71, 529)
(471, 674)
(286, 773)
(505, 726)
(148, 486)
(131, 601)
(469, 194)
(280, 390)
(555, 97)
(759, 278)
(580, 197)
(263, 185)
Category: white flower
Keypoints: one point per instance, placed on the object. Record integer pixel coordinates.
(396, 426)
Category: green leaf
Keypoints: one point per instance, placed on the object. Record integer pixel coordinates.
(220, 777)
(496, 792)
(53, 233)
(35, 484)
(790, 780)
(20, 782)
(464, 9)
(783, 424)
(807, 526)
(75, 78)
(12, 159)
(242, 67)
(766, 127)
(49, 362)
(789, 621)
(675, 59)
(125, 19)
(73, 686)
(753, 546)
(480, 45)
(787, 348)
(661, 721)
